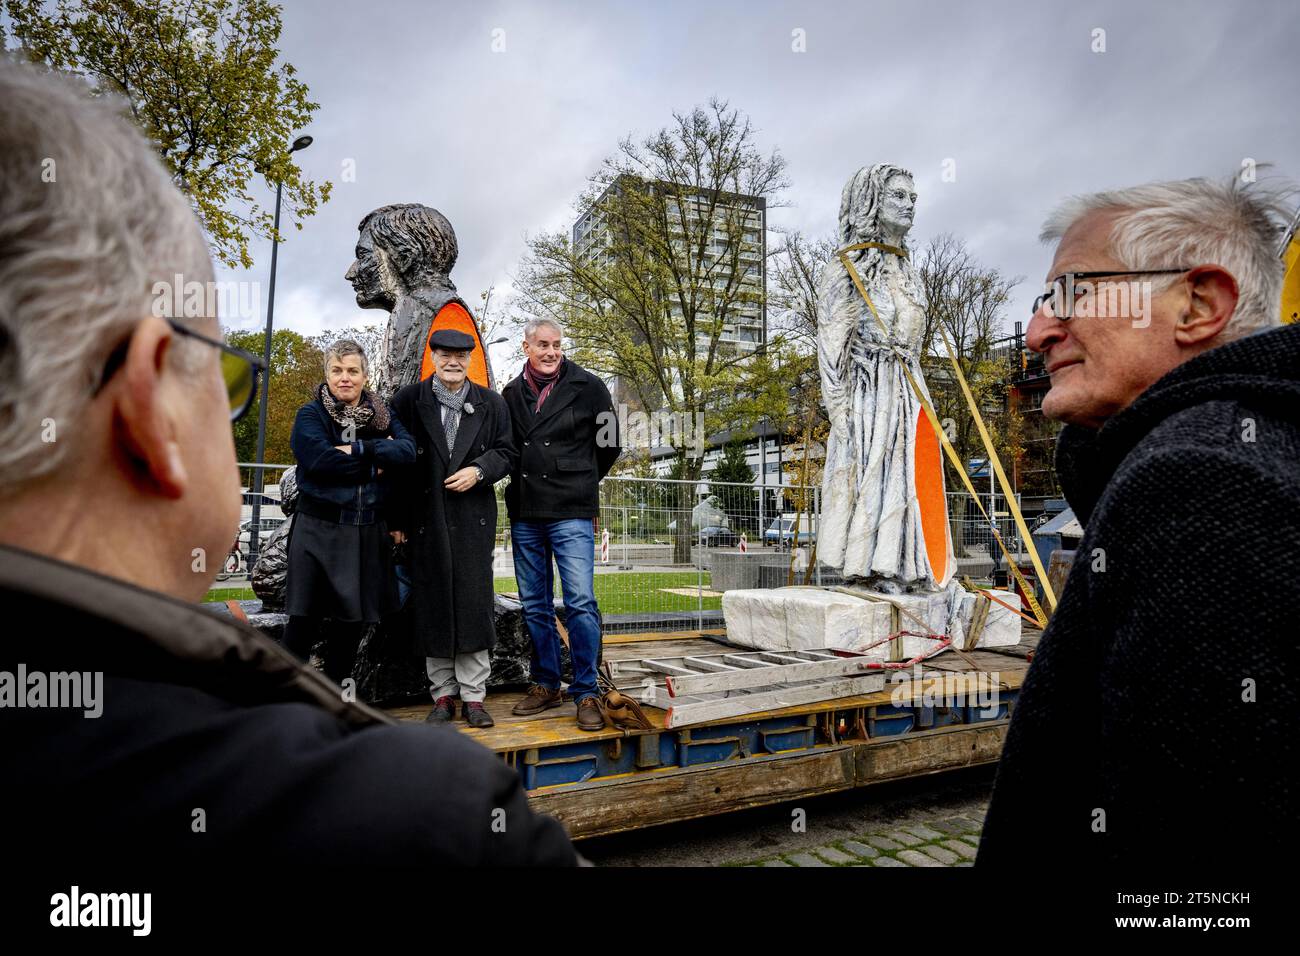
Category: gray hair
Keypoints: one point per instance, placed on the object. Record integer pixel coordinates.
(532, 325)
(1191, 222)
(90, 225)
(341, 349)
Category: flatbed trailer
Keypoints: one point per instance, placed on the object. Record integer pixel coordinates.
(614, 780)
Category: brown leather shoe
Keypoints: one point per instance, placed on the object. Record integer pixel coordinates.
(476, 714)
(539, 699)
(590, 716)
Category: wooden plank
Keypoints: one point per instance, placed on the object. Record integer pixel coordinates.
(600, 808)
(977, 619)
(559, 726)
(686, 712)
(773, 675)
(597, 809)
(654, 636)
(927, 752)
(640, 649)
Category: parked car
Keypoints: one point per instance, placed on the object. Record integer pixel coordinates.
(781, 531)
(711, 536)
(715, 537)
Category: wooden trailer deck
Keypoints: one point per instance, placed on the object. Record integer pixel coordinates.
(613, 780)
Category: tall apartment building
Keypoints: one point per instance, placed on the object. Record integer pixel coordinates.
(689, 213)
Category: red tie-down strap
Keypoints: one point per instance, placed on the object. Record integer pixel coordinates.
(942, 641)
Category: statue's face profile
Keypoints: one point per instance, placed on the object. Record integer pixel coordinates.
(371, 276)
(898, 204)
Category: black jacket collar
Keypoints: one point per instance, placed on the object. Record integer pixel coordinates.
(1261, 369)
(571, 384)
(160, 637)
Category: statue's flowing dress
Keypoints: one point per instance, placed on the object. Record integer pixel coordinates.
(884, 512)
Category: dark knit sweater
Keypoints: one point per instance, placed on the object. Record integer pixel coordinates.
(1136, 705)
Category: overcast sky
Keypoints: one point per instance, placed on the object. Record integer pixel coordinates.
(414, 95)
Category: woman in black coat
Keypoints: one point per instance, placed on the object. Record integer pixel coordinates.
(445, 509)
(339, 555)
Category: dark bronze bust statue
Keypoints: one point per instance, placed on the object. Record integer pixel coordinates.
(404, 257)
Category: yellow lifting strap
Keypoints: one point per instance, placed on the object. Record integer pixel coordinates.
(1289, 253)
(957, 463)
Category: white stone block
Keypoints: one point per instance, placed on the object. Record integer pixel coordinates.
(1002, 626)
(920, 615)
(785, 619)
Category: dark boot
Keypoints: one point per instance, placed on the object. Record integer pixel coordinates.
(476, 714)
(443, 710)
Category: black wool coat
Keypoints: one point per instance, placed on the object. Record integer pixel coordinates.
(200, 711)
(450, 535)
(1156, 724)
(336, 477)
(565, 451)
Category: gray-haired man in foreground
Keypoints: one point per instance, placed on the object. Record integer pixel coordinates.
(119, 497)
(1156, 727)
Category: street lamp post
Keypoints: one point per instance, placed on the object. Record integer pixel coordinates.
(255, 528)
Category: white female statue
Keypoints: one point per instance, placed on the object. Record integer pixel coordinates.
(884, 514)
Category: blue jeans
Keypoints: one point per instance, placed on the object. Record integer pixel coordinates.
(572, 544)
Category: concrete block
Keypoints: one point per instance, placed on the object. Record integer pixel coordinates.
(784, 619)
(804, 618)
(1002, 626)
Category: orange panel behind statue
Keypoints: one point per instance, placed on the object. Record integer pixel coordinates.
(453, 316)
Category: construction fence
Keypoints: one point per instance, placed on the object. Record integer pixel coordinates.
(666, 550)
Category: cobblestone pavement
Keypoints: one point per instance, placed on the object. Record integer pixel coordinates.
(947, 842)
(929, 821)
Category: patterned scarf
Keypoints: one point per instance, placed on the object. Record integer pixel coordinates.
(371, 410)
(540, 383)
(453, 402)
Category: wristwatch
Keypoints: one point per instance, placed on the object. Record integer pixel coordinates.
(481, 476)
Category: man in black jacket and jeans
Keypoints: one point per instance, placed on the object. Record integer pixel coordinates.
(1156, 725)
(205, 741)
(566, 433)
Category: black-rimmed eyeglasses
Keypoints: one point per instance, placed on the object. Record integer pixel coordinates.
(1064, 290)
(241, 370)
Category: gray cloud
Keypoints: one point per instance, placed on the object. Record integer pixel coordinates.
(502, 143)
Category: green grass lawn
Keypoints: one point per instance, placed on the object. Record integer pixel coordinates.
(632, 591)
(230, 594)
(616, 592)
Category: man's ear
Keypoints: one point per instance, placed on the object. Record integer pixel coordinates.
(144, 427)
(1212, 302)
(398, 262)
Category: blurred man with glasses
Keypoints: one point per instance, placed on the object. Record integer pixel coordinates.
(119, 496)
(1155, 724)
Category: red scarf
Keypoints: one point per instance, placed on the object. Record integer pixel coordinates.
(540, 383)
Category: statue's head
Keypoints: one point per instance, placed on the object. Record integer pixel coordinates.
(400, 248)
(877, 204)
